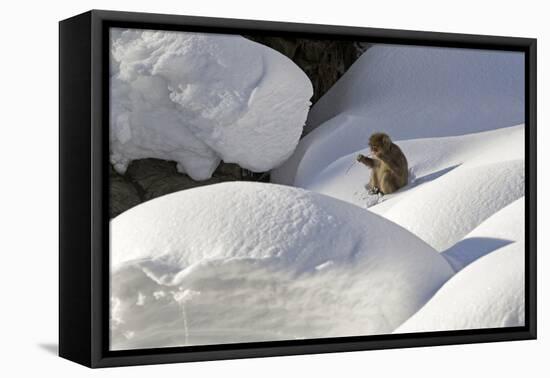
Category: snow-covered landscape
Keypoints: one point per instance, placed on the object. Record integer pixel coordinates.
(313, 254)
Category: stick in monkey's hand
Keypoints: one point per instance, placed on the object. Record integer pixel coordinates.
(351, 165)
(358, 158)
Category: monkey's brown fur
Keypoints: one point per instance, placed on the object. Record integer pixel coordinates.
(389, 166)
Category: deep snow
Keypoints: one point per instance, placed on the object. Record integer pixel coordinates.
(238, 262)
(489, 292)
(252, 262)
(197, 98)
(505, 227)
(457, 182)
(458, 116)
(417, 92)
(409, 92)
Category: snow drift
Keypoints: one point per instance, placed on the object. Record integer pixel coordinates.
(458, 117)
(198, 98)
(457, 183)
(415, 92)
(239, 262)
(442, 212)
(411, 92)
(428, 158)
(505, 227)
(488, 293)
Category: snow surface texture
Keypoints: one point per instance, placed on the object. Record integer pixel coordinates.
(458, 117)
(409, 92)
(197, 98)
(262, 262)
(457, 182)
(239, 262)
(488, 293)
(414, 92)
(505, 227)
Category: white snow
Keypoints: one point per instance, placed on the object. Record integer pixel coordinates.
(458, 116)
(239, 262)
(488, 293)
(255, 262)
(456, 113)
(502, 228)
(409, 92)
(415, 92)
(442, 212)
(457, 183)
(197, 98)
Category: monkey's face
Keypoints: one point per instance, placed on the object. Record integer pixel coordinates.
(379, 143)
(375, 149)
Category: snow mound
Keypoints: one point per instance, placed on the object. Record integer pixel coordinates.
(488, 293)
(319, 149)
(443, 211)
(197, 98)
(502, 228)
(238, 262)
(415, 92)
(456, 183)
(409, 92)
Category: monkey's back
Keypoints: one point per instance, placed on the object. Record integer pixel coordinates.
(401, 165)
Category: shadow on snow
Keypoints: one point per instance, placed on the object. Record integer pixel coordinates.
(468, 250)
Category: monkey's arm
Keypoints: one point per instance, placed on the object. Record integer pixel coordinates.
(369, 162)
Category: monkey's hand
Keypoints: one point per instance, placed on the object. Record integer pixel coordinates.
(369, 162)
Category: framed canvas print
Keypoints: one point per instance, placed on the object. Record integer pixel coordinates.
(234, 188)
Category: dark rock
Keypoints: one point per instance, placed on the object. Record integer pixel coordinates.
(231, 170)
(157, 177)
(146, 179)
(123, 194)
(286, 46)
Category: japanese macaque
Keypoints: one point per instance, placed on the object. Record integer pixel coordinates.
(389, 165)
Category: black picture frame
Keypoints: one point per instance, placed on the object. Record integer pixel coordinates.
(83, 196)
